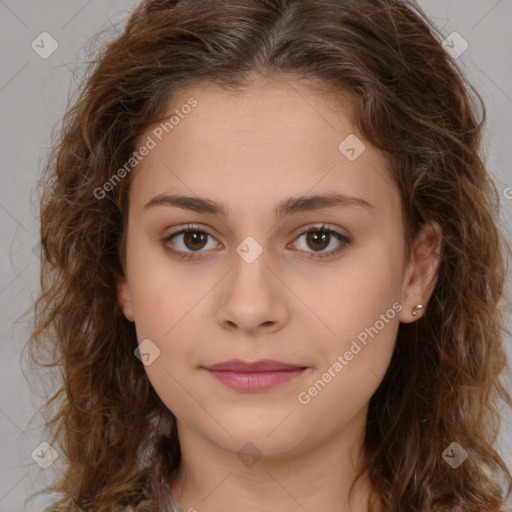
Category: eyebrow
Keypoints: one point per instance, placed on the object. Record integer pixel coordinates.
(287, 207)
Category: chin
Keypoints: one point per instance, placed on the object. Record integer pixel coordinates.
(269, 438)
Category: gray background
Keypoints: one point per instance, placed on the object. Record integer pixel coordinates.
(33, 95)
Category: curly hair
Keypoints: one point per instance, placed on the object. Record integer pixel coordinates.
(411, 101)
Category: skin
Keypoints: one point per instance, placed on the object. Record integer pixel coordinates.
(250, 151)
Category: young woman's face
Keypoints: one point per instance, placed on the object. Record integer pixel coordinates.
(318, 286)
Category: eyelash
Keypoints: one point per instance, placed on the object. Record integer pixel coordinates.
(180, 255)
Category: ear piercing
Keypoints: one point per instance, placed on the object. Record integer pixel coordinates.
(417, 308)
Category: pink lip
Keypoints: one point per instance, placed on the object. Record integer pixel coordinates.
(254, 376)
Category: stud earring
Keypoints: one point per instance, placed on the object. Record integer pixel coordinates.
(416, 308)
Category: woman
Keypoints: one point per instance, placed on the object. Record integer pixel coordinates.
(271, 267)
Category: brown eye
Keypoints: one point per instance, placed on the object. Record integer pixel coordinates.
(183, 244)
(195, 240)
(319, 238)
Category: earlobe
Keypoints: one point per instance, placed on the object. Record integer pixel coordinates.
(422, 273)
(124, 297)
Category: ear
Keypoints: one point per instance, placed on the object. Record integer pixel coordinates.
(420, 275)
(124, 296)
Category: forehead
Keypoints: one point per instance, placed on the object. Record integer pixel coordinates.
(269, 112)
(276, 138)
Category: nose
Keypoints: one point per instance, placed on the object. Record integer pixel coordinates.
(253, 298)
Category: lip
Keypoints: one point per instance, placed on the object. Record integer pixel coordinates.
(262, 365)
(254, 376)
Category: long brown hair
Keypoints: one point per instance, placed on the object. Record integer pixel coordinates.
(410, 100)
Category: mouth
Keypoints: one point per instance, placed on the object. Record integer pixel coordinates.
(256, 375)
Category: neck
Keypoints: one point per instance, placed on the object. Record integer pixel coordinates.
(212, 479)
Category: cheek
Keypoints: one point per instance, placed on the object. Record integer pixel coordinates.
(163, 304)
(161, 295)
(167, 304)
(354, 298)
(360, 307)
(363, 314)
